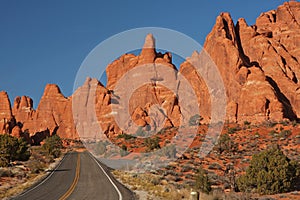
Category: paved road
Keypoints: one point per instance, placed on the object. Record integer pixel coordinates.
(79, 176)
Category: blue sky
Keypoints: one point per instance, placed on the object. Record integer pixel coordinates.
(46, 41)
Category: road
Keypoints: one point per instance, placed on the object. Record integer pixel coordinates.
(78, 176)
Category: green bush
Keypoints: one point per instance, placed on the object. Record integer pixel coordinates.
(270, 172)
(284, 122)
(246, 123)
(232, 130)
(285, 133)
(123, 151)
(36, 166)
(225, 144)
(202, 181)
(53, 146)
(273, 133)
(125, 136)
(11, 149)
(152, 143)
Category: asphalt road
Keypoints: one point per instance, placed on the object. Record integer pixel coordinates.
(78, 176)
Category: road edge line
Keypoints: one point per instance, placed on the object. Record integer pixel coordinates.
(117, 189)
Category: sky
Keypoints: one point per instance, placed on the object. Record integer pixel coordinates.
(46, 41)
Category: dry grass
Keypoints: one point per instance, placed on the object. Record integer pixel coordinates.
(12, 190)
(16, 179)
(150, 186)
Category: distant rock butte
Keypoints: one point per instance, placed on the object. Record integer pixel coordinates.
(259, 65)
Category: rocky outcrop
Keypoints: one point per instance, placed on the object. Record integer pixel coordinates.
(275, 48)
(23, 109)
(145, 73)
(148, 57)
(91, 110)
(53, 116)
(259, 64)
(188, 70)
(54, 113)
(6, 117)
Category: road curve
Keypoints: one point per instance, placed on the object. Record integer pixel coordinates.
(78, 176)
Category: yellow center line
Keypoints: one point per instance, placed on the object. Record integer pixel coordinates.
(75, 181)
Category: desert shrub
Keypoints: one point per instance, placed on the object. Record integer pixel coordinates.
(269, 124)
(152, 143)
(5, 172)
(215, 166)
(11, 149)
(294, 123)
(53, 146)
(225, 144)
(246, 123)
(202, 181)
(285, 133)
(273, 133)
(125, 136)
(169, 151)
(186, 168)
(256, 134)
(284, 122)
(177, 179)
(195, 120)
(232, 130)
(22, 152)
(270, 172)
(163, 130)
(36, 166)
(123, 151)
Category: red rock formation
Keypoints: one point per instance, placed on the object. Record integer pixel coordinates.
(199, 86)
(259, 64)
(5, 113)
(54, 113)
(91, 110)
(275, 48)
(17, 132)
(23, 109)
(129, 71)
(118, 68)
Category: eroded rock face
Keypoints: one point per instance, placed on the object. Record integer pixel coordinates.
(145, 71)
(188, 70)
(275, 48)
(6, 122)
(54, 113)
(259, 64)
(91, 110)
(23, 109)
(53, 116)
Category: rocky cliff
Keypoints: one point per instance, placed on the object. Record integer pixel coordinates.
(259, 64)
